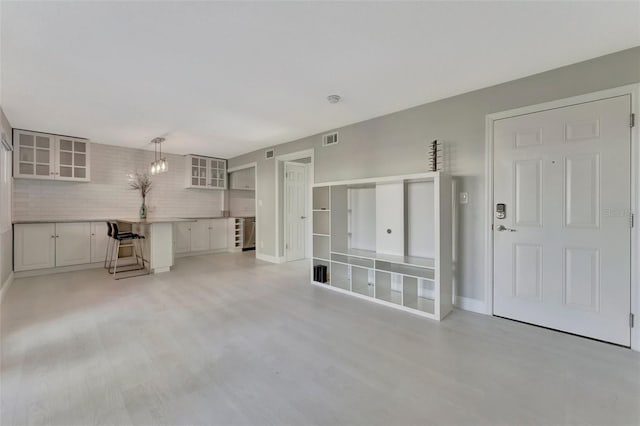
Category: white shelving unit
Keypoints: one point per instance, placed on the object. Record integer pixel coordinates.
(387, 240)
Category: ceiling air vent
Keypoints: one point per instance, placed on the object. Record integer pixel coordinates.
(268, 154)
(330, 139)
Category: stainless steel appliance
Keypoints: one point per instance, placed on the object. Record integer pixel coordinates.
(248, 233)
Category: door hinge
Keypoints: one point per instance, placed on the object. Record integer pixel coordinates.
(632, 120)
(633, 220)
(631, 320)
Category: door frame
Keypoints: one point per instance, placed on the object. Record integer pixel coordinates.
(634, 91)
(298, 155)
(285, 215)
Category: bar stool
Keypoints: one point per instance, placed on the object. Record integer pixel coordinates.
(118, 237)
(110, 241)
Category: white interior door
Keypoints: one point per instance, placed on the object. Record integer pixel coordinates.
(295, 210)
(562, 252)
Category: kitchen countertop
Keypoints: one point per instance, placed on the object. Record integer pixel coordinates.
(136, 220)
(127, 220)
(18, 222)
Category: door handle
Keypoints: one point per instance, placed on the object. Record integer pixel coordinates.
(503, 228)
(303, 217)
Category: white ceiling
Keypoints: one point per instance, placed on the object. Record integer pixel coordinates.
(227, 78)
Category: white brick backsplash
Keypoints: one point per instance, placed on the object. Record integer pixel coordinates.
(108, 194)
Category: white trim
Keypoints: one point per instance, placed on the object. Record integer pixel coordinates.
(471, 305)
(242, 167)
(271, 259)
(290, 157)
(6, 285)
(71, 268)
(634, 91)
(384, 179)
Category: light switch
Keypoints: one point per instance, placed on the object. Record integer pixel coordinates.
(464, 198)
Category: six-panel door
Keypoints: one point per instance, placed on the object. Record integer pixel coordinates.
(562, 251)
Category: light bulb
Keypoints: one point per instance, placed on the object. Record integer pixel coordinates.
(163, 165)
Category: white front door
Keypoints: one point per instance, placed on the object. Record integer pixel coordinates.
(562, 252)
(295, 210)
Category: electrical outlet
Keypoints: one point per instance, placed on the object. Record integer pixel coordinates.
(464, 198)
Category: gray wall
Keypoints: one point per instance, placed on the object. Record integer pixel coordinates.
(6, 238)
(397, 144)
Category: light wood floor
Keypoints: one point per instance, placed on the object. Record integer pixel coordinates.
(229, 340)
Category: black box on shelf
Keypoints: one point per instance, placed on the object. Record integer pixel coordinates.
(320, 273)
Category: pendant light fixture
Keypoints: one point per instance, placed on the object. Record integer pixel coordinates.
(159, 163)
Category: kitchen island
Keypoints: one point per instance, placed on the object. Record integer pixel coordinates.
(158, 244)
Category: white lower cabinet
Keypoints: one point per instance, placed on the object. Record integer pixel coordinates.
(50, 245)
(73, 243)
(200, 239)
(182, 237)
(201, 235)
(99, 241)
(218, 233)
(34, 246)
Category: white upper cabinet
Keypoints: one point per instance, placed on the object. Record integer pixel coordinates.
(46, 156)
(206, 172)
(244, 179)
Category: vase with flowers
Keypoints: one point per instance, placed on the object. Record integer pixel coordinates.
(141, 182)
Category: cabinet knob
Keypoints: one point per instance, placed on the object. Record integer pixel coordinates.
(388, 230)
(53, 236)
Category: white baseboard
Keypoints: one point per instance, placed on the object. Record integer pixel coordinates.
(73, 268)
(271, 259)
(472, 305)
(6, 285)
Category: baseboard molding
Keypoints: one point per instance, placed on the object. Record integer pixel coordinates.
(271, 259)
(199, 253)
(6, 285)
(472, 305)
(73, 268)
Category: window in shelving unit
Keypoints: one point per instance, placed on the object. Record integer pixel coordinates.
(321, 198)
(340, 276)
(362, 281)
(321, 220)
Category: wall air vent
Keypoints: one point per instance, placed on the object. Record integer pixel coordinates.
(330, 139)
(269, 154)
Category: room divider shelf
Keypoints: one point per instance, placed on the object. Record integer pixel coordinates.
(352, 235)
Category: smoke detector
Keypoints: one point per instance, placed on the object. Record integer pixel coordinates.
(333, 99)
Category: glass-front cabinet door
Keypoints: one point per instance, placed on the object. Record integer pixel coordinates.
(35, 156)
(72, 159)
(218, 174)
(206, 172)
(46, 156)
(198, 172)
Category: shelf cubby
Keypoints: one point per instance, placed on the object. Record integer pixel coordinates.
(326, 263)
(361, 281)
(321, 198)
(321, 245)
(321, 222)
(340, 276)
